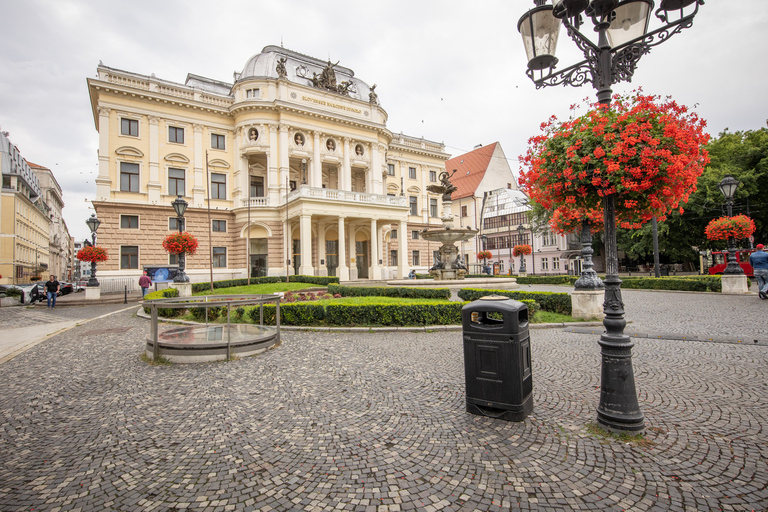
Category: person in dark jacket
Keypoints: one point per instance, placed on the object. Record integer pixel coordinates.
(759, 262)
(52, 290)
(145, 282)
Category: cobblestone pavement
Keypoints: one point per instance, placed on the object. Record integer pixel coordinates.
(372, 421)
(25, 316)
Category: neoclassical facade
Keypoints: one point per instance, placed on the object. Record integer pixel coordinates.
(290, 169)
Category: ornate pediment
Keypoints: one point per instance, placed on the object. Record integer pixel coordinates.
(218, 162)
(176, 158)
(129, 151)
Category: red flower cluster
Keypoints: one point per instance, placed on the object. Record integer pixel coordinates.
(521, 249)
(484, 255)
(737, 227)
(646, 151)
(178, 243)
(92, 254)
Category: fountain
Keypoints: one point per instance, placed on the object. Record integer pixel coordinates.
(451, 266)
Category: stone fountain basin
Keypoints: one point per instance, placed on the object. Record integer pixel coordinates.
(448, 235)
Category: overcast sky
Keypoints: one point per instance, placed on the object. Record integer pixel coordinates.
(450, 71)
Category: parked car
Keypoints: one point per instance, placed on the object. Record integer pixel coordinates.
(66, 288)
(81, 285)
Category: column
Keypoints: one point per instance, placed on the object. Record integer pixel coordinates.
(244, 179)
(305, 234)
(402, 248)
(343, 270)
(322, 267)
(239, 189)
(352, 252)
(346, 171)
(375, 271)
(199, 182)
(153, 186)
(376, 186)
(317, 164)
(283, 157)
(103, 183)
(287, 248)
(273, 179)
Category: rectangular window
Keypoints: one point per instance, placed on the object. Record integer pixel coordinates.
(220, 225)
(129, 221)
(129, 256)
(176, 134)
(390, 169)
(544, 264)
(252, 93)
(393, 235)
(257, 186)
(413, 202)
(129, 177)
(416, 259)
(432, 175)
(463, 211)
(173, 259)
(555, 263)
(218, 186)
(176, 186)
(219, 257)
(173, 223)
(129, 127)
(412, 173)
(414, 235)
(433, 207)
(218, 141)
(393, 257)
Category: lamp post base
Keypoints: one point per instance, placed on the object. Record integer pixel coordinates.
(185, 289)
(93, 293)
(735, 284)
(587, 304)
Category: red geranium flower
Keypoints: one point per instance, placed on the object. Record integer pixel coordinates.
(92, 254)
(178, 243)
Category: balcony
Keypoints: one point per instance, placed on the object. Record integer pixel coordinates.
(256, 202)
(330, 195)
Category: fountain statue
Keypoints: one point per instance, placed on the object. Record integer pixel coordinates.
(450, 265)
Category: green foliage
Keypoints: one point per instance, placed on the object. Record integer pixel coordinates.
(13, 292)
(390, 291)
(547, 280)
(434, 313)
(555, 302)
(165, 293)
(690, 284)
(229, 283)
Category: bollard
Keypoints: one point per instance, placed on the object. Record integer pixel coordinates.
(125, 301)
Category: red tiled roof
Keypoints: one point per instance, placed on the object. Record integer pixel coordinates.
(470, 170)
(36, 166)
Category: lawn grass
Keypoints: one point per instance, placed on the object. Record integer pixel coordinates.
(547, 317)
(258, 289)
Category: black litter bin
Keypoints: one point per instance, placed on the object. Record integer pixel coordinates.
(497, 358)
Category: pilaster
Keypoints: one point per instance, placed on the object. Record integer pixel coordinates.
(317, 164)
(154, 186)
(343, 269)
(346, 171)
(273, 179)
(375, 272)
(283, 160)
(199, 182)
(103, 182)
(305, 234)
(402, 248)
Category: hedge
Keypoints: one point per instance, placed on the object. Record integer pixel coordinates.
(554, 302)
(229, 283)
(684, 283)
(165, 293)
(390, 291)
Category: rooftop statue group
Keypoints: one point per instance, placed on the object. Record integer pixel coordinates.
(326, 79)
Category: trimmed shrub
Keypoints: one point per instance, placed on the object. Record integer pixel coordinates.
(554, 302)
(165, 293)
(297, 313)
(688, 283)
(435, 313)
(547, 279)
(390, 291)
(229, 283)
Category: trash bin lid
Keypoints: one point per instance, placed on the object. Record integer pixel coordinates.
(494, 297)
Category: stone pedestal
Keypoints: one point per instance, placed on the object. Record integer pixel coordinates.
(92, 293)
(587, 304)
(185, 289)
(735, 284)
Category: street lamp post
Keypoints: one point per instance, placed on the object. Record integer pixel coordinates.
(521, 232)
(623, 38)
(93, 225)
(180, 206)
(728, 186)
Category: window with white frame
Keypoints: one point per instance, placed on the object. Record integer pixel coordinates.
(129, 256)
(176, 185)
(129, 177)
(433, 207)
(464, 211)
(544, 264)
(432, 175)
(173, 223)
(218, 186)
(176, 134)
(173, 259)
(414, 235)
(412, 173)
(415, 259)
(555, 263)
(393, 257)
(219, 257)
(393, 234)
(218, 141)
(413, 203)
(129, 127)
(129, 221)
(219, 225)
(548, 238)
(252, 93)
(390, 169)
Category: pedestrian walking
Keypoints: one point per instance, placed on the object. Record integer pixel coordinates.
(145, 282)
(51, 291)
(759, 262)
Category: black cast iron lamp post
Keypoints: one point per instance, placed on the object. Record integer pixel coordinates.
(180, 206)
(521, 232)
(93, 225)
(728, 186)
(622, 40)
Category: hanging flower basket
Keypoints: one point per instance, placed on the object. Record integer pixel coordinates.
(737, 227)
(178, 243)
(92, 254)
(521, 249)
(484, 255)
(645, 151)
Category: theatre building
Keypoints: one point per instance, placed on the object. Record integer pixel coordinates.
(289, 169)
